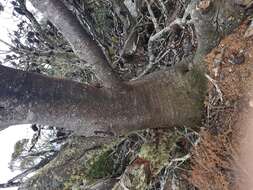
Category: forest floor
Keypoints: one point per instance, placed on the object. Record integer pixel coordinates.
(218, 159)
(220, 155)
(140, 160)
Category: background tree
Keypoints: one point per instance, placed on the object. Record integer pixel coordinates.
(44, 144)
(37, 46)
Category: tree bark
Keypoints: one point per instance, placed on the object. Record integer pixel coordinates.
(82, 43)
(161, 100)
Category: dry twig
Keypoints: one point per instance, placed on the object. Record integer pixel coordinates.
(214, 82)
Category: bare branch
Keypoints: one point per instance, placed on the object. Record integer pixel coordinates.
(37, 154)
(10, 184)
(7, 44)
(164, 10)
(151, 41)
(214, 82)
(152, 16)
(38, 134)
(41, 164)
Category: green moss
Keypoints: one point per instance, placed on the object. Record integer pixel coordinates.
(71, 182)
(159, 154)
(101, 166)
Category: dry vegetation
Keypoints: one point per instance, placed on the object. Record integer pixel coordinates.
(215, 159)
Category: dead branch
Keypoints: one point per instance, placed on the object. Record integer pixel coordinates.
(152, 16)
(151, 41)
(10, 184)
(41, 164)
(164, 10)
(214, 82)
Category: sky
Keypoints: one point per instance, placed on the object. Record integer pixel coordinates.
(11, 135)
(7, 23)
(8, 138)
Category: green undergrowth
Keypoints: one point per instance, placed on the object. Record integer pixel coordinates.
(101, 166)
(154, 149)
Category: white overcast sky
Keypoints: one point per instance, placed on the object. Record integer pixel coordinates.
(7, 23)
(11, 135)
(8, 138)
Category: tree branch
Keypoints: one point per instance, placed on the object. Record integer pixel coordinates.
(152, 17)
(82, 43)
(10, 184)
(41, 164)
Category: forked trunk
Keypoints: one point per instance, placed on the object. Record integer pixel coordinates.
(163, 99)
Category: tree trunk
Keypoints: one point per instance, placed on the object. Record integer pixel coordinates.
(163, 99)
(82, 43)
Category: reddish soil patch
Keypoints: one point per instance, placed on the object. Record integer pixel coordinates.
(225, 148)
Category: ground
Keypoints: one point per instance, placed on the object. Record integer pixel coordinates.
(216, 160)
(141, 160)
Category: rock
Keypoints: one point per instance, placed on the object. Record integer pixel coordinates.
(136, 176)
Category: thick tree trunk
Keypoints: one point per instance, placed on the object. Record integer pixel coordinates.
(161, 100)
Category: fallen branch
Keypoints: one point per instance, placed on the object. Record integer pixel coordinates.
(214, 82)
